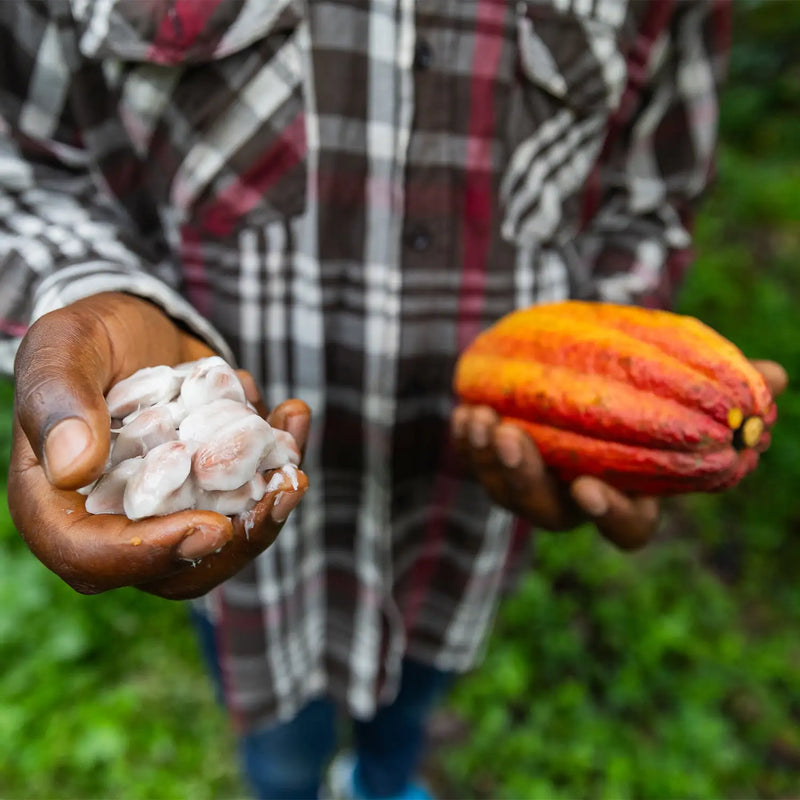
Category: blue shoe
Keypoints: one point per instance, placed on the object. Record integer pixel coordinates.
(341, 783)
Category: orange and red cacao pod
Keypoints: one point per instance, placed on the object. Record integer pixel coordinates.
(650, 401)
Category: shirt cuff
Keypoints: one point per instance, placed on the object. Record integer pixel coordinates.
(75, 283)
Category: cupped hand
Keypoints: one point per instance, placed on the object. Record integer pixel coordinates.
(510, 467)
(65, 365)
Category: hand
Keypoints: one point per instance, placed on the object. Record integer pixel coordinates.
(774, 375)
(509, 466)
(65, 364)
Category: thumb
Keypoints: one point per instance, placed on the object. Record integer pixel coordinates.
(62, 369)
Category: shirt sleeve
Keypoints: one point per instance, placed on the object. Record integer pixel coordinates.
(657, 160)
(62, 237)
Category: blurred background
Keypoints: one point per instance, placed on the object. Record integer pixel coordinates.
(673, 673)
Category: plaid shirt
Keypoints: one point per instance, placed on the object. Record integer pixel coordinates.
(340, 195)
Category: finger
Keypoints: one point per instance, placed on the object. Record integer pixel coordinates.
(94, 553)
(459, 420)
(253, 533)
(252, 393)
(627, 522)
(475, 446)
(62, 368)
(293, 416)
(538, 494)
(510, 467)
(774, 374)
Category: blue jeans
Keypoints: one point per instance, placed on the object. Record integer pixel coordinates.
(286, 761)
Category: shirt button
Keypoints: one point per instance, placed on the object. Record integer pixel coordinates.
(419, 239)
(423, 55)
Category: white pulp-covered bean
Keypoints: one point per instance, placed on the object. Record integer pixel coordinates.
(108, 492)
(283, 451)
(144, 388)
(234, 500)
(148, 429)
(232, 457)
(160, 485)
(175, 408)
(207, 383)
(186, 437)
(186, 368)
(201, 425)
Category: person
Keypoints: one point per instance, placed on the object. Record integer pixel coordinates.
(336, 197)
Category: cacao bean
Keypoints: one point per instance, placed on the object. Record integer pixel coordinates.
(142, 389)
(234, 454)
(149, 428)
(186, 437)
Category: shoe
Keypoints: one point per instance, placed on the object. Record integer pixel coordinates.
(341, 783)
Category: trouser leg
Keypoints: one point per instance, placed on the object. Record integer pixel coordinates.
(284, 761)
(389, 747)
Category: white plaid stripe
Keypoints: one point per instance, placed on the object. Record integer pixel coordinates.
(612, 12)
(251, 320)
(98, 16)
(8, 352)
(270, 591)
(75, 283)
(538, 60)
(49, 84)
(391, 35)
(255, 18)
(146, 93)
(552, 281)
(305, 325)
(649, 256)
(606, 53)
(553, 171)
(462, 646)
(259, 100)
(695, 84)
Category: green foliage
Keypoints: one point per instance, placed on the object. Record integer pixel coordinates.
(612, 676)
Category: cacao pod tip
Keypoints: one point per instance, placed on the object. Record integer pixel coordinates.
(735, 418)
(752, 430)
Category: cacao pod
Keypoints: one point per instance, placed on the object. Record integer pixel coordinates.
(649, 401)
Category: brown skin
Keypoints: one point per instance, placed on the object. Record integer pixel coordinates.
(66, 363)
(508, 464)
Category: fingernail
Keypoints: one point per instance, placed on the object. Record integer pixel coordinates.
(283, 505)
(202, 543)
(65, 444)
(509, 449)
(457, 423)
(478, 435)
(593, 501)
